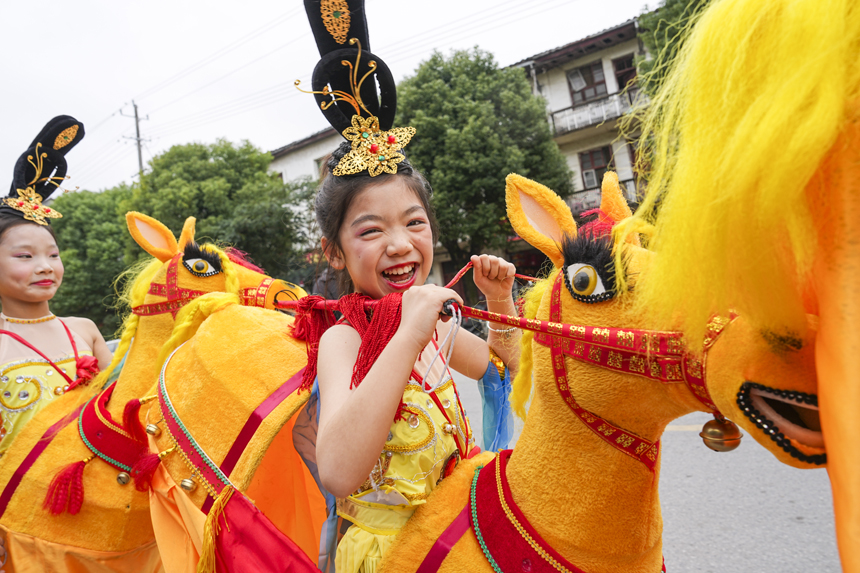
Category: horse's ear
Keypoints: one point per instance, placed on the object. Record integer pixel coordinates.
(613, 203)
(539, 216)
(187, 235)
(152, 236)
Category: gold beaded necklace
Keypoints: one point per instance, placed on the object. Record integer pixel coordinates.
(11, 320)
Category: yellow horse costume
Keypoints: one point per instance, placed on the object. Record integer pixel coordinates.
(580, 491)
(111, 529)
(754, 201)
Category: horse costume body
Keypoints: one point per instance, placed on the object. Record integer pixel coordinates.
(753, 202)
(107, 525)
(580, 490)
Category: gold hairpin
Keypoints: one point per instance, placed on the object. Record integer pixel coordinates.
(29, 202)
(372, 149)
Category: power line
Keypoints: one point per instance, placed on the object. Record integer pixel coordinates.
(218, 54)
(233, 71)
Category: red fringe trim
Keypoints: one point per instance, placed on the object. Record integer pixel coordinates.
(66, 489)
(310, 325)
(143, 470)
(601, 226)
(376, 332)
(131, 420)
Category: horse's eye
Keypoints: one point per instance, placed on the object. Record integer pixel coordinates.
(200, 267)
(583, 281)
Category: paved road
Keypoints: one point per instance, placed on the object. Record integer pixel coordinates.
(739, 512)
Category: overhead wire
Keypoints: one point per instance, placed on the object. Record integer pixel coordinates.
(263, 98)
(218, 54)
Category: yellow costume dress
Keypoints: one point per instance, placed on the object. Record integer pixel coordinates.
(430, 436)
(28, 383)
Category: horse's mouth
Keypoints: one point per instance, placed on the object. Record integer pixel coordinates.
(788, 417)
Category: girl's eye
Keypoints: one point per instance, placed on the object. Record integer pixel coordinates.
(22, 256)
(584, 282)
(368, 232)
(200, 267)
(416, 222)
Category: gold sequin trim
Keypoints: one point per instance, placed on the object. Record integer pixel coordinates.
(423, 443)
(525, 534)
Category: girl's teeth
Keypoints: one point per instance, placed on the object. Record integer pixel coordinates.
(399, 271)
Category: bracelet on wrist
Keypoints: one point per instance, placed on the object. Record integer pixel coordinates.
(502, 330)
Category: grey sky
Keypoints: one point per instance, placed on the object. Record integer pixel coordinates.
(225, 68)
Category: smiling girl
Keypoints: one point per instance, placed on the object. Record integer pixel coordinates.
(41, 355)
(385, 440)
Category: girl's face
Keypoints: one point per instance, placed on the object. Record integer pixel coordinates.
(30, 267)
(386, 240)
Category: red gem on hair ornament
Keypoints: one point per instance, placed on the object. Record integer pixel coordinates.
(392, 139)
(47, 210)
(374, 148)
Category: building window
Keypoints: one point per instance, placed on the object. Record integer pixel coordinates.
(625, 71)
(594, 164)
(587, 83)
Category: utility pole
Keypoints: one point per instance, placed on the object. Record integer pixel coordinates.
(138, 139)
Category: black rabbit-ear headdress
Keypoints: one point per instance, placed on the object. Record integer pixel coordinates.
(40, 170)
(344, 84)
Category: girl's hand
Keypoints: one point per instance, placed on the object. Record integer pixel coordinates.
(420, 313)
(493, 276)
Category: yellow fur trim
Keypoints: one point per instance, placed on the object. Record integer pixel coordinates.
(522, 386)
(192, 315)
(211, 530)
(538, 215)
(132, 295)
(734, 141)
(152, 236)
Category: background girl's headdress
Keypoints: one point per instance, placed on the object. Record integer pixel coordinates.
(40, 170)
(345, 84)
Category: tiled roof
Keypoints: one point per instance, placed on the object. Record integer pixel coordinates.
(545, 60)
(318, 136)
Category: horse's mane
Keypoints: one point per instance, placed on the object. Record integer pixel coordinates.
(522, 386)
(751, 108)
(135, 281)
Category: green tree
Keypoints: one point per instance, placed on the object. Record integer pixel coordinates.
(91, 235)
(475, 124)
(235, 200)
(662, 31)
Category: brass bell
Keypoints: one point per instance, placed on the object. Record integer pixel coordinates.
(188, 485)
(721, 435)
(122, 478)
(153, 430)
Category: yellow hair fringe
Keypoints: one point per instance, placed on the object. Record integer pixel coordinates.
(523, 382)
(211, 530)
(191, 316)
(751, 107)
(140, 276)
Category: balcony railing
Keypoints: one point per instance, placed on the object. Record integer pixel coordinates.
(590, 198)
(596, 112)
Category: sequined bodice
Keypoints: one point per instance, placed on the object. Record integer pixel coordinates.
(28, 384)
(419, 445)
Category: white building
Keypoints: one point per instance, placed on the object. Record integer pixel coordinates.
(302, 159)
(583, 84)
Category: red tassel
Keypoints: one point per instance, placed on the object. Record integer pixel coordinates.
(131, 420)
(601, 226)
(143, 470)
(375, 333)
(310, 325)
(87, 369)
(66, 489)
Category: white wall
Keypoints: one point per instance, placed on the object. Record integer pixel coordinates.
(301, 162)
(555, 87)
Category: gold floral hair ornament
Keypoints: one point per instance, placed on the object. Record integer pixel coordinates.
(373, 150)
(29, 202)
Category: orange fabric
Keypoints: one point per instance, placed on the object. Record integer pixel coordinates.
(837, 284)
(282, 488)
(33, 555)
(287, 494)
